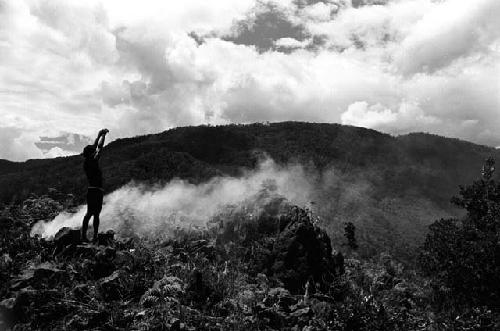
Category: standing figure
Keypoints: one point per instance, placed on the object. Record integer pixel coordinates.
(95, 190)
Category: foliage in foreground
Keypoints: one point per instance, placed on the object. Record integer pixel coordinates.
(462, 257)
(232, 277)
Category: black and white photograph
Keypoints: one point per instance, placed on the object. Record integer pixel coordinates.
(300, 165)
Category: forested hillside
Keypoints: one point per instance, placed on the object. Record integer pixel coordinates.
(343, 262)
(392, 188)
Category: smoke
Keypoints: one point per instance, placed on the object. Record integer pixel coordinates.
(146, 210)
(383, 220)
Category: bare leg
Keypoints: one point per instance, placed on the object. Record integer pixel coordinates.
(85, 226)
(96, 226)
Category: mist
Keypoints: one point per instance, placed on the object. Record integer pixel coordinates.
(334, 197)
(146, 210)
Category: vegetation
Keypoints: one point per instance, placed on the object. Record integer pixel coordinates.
(403, 182)
(266, 276)
(265, 264)
(350, 235)
(275, 270)
(463, 256)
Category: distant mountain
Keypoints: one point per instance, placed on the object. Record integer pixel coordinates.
(390, 187)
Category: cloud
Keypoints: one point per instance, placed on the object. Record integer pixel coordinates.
(64, 144)
(17, 145)
(449, 31)
(266, 24)
(408, 117)
(142, 67)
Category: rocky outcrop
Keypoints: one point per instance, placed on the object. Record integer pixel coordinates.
(302, 252)
(64, 237)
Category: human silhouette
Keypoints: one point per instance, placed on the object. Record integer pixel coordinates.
(95, 190)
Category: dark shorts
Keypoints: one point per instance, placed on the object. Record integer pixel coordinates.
(94, 201)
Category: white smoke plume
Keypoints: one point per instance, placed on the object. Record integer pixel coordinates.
(147, 210)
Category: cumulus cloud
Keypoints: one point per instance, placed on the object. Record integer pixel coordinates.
(141, 67)
(450, 31)
(16, 145)
(408, 117)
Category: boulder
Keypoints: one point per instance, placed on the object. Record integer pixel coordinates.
(303, 251)
(66, 236)
(106, 239)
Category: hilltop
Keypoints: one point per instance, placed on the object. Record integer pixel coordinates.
(264, 263)
(392, 188)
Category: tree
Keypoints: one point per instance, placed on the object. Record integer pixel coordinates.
(350, 234)
(463, 256)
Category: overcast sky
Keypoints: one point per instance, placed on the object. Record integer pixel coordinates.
(69, 68)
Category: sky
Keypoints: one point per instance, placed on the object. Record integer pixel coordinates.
(69, 67)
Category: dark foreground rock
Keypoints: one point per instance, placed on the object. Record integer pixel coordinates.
(302, 252)
(66, 236)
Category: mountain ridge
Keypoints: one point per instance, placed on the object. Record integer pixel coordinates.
(229, 148)
(391, 187)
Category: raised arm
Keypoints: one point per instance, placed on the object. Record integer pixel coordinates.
(96, 142)
(99, 142)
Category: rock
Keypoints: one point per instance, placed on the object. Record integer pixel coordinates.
(303, 251)
(66, 236)
(113, 287)
(106, 239)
